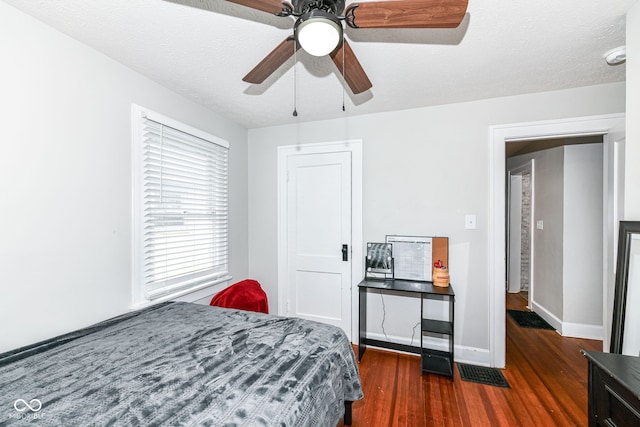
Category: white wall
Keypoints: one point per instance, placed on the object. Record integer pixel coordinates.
(65, 180)
(583, 223)
(409, 157)
(547, 243)
(632, 144)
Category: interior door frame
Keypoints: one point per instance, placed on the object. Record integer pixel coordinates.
(607, 125)
(353, 146)
(511, 227)
(520, 170)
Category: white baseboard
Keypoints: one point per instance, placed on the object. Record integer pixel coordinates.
(461, 354)
(568, 329)
(581, 330)
(472, 356)
(548, 316)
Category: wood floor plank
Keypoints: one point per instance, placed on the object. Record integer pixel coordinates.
(546, 372)
(409, 393)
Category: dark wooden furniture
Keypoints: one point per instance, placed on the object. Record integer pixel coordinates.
(434, 361)
(614, 389)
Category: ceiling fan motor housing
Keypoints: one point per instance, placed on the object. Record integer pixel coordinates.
(302, 7)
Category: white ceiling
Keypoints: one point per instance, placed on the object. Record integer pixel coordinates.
(202, 49)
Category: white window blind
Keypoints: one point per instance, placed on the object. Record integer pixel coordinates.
(184, 210)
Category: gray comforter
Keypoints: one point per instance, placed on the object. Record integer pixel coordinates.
(182, 364)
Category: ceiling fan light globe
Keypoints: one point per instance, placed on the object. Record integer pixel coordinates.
(319, 36)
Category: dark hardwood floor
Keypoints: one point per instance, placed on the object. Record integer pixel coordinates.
(546, 372)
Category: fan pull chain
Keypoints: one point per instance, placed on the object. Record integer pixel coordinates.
(343, 74)
(295, 85)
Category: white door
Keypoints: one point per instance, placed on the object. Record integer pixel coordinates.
(318, 225)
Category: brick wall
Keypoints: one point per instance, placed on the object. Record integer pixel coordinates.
(525, 232)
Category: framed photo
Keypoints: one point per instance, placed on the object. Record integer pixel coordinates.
(379, 261)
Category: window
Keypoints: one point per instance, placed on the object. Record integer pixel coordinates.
(180, 208)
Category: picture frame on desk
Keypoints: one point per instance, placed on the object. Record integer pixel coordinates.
(414, 255)
(379, 261)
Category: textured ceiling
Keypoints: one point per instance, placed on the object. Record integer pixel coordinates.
(202, 49)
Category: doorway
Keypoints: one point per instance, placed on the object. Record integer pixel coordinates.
(567, 252)
(320, 232)
(612, 128)
(520, 238)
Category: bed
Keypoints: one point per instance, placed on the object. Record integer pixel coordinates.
(183, 364)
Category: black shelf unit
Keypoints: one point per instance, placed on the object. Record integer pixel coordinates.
(432, 360)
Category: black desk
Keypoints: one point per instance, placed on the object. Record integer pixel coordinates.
(614, 389)
(435, 361)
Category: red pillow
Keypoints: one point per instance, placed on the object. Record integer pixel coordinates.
(245, 295)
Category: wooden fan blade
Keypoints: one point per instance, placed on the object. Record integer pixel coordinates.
(272, 61)
(351, 69)
(406, 14)
(269, 6)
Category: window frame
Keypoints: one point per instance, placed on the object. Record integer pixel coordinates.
(139, 292)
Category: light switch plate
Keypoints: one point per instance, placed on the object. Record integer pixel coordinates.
(470, 222)
(540, 224)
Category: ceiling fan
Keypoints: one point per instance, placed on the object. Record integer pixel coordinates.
(318, 29)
